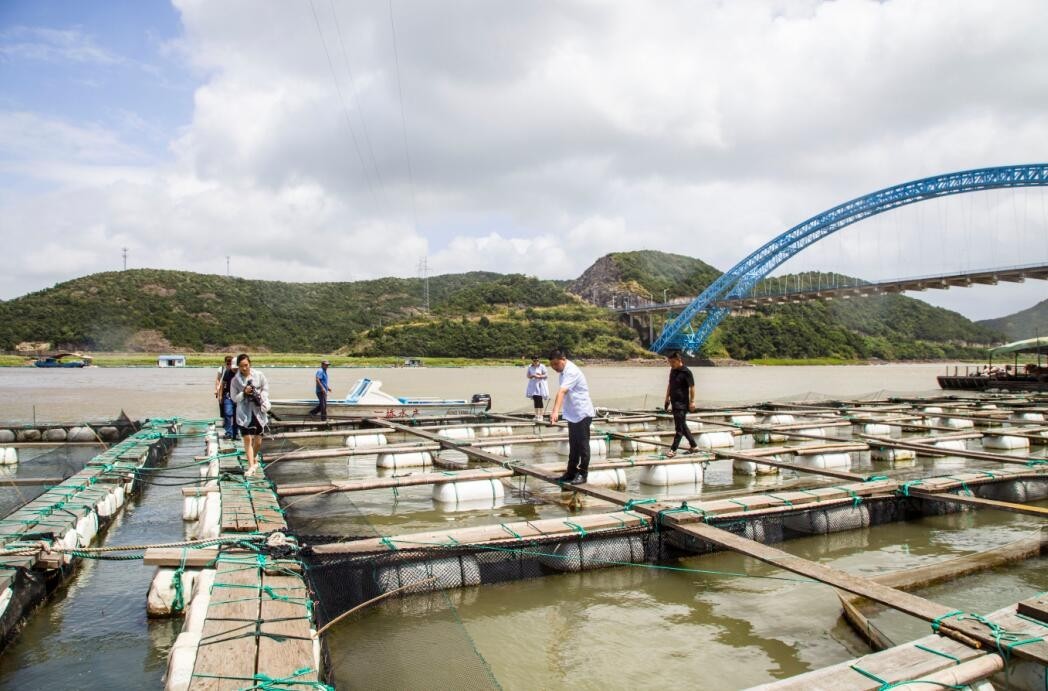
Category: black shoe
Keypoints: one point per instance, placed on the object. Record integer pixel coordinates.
(579, 479)
(566, 477)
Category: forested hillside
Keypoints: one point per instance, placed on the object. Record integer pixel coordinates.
(474, 314)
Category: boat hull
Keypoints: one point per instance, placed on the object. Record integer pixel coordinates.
(976, 383)
(299, 410)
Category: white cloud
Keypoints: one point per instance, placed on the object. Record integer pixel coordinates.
(53, 45)
(563, 131)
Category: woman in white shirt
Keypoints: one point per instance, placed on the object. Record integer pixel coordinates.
(538, 388)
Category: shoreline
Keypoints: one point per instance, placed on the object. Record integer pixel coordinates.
(311, 360)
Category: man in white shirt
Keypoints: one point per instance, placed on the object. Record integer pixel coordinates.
(574, 400)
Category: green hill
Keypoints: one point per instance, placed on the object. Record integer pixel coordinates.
(474, 314)
(1028, 323)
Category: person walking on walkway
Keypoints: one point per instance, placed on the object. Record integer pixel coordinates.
(323, 389)
(538, 388)
(226, 407)
(573, 399)
(250, 392)
(680, 398)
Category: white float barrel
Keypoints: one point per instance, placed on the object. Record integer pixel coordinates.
(9, 456)
(614, 478)
(890, 454)
(715, 440)
(469, 490)
(667, 475)
(931, 409)
(457, 433)
(404, 459)
(1005, 441)
(948, 445)
(956, 423)
(495, 431)
(825, 460)
(814, 432)
(1035, 417)
(500, 450)
(181, 661)
(596, 554)
(754, 468)
(876, 428)
(357, 441)
(642, 443)
(743, 419)
(598, 447)
(780, 419)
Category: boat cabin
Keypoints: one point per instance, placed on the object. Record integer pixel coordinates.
(171, 361)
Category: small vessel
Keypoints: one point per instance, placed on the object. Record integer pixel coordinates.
(368, 400)
(58, 360)
(1014, 377)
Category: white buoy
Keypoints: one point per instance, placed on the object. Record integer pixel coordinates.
(769, 437)
(196, 612)
(715, 440)
(161, 598)
(457, 433)
(1004, 441)
(647, 443)
(582, 556)
(814, 432)
(931, 409)
(598, 447)
(825, 460)
(9, 456)
(87, 528)
(749, 419)
(357, 441)
(666, 475)
(889, 454)
(1028, 417)
(469, 490)
(753, 468)
(780, 419)
(633, 426)
(406, 459)
(948, 445)
(956, 423)
(453, 572)
(876, 428)
(500, 450)
(614, 478)
(693, 425)
(495, 431)
(181, 661)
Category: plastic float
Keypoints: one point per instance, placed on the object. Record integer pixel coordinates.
(160, 602)
(667, 475)
(9, 456)
(649, 443)
(956, 423)
(754, 468)
(500, 450)
(777, 419)
(457, 433)
(470, 490)
(1005, 441)
(598, 447)
(829, 520)
(594, 554)
(825, 460)
(715, 440)
(875, 428)
(408, 459)
(495, 431)
(436, 574)
(357, 441)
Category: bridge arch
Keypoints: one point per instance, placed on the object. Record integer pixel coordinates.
(740, 279)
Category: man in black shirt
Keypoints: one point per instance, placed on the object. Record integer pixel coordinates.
(680, 396)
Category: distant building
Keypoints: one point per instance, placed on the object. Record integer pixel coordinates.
(171, 361)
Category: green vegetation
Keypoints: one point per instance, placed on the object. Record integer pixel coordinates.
(119, 317)
(1029, 323)
(655, 272)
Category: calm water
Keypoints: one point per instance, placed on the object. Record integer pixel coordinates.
(613, 628)
(70, 395)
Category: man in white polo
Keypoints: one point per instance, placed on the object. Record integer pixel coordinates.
(574, 400)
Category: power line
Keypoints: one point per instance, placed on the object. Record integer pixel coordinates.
(342, 101)
(403, 117)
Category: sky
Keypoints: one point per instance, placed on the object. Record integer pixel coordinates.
(331, 140)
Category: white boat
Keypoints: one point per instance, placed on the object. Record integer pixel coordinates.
(368, 400)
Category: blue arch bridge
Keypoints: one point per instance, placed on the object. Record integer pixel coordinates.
(735, 288)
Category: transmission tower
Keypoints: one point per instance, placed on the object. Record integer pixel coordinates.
(124, 251)
(423, 273)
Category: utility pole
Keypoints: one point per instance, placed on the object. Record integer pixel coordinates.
(125, 258)
(423, 273)
(227, 265)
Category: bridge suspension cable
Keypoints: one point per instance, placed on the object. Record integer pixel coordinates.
(738, 281)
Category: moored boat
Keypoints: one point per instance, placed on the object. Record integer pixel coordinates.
(1029, 377)
(368, 400)
(58, 360)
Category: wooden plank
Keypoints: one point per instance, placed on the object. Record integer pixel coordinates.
(1036, 608)
(173, 556)
(839, 474)
(285, 645)
(1025, 509)
(936, 451)
(896, 599)
(228, 647)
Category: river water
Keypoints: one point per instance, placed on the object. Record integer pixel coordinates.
(728, 622)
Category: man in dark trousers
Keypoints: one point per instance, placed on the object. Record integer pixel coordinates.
(574, 400)
(323, 389)
(680, 397)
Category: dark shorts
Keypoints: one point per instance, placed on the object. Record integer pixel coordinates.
(255, 428)
(539, 401)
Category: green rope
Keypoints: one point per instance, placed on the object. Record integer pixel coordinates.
(511, 531)
(628, 506)
(784, 500)
(577, 528)
(179, 603)
(905, 489)
(856, 499)
(874, 478)
(739, 503)
(940, 653)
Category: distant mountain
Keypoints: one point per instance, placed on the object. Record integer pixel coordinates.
(646, 274)
(1028, 323)
(477, 314)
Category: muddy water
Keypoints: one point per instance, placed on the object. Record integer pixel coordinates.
(76, 394)
(615, 628)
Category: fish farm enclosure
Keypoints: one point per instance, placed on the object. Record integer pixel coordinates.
(861, 544)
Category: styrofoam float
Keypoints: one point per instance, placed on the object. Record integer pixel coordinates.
(358, 441)
(598, 447)
(715, 440)
(825, 460)
(469, 490)
(1004, 441)
(667, 475)
(404, 459)
(160, 601)
(457, 433)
